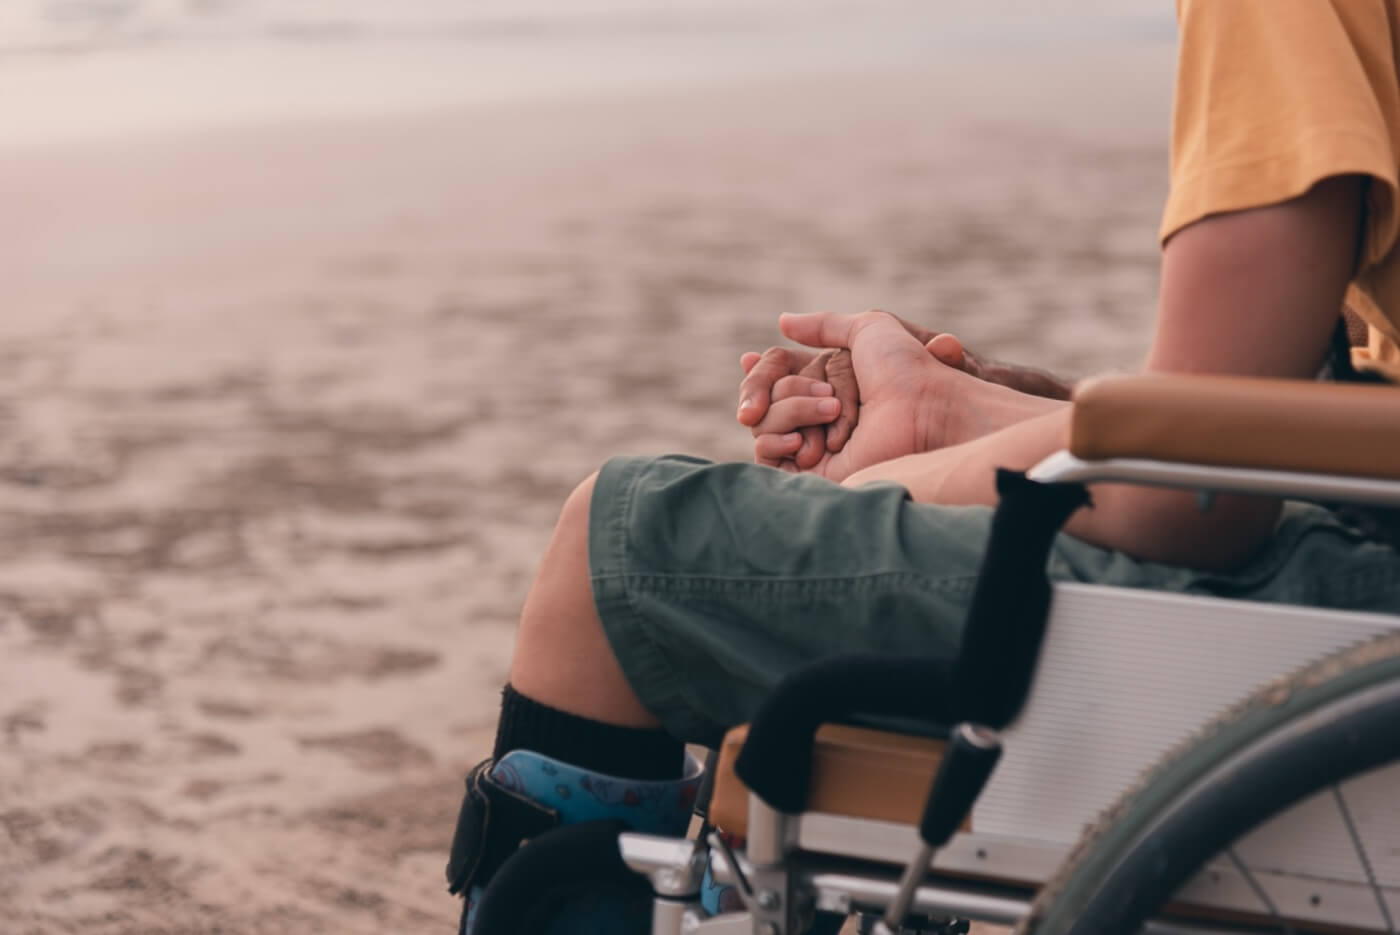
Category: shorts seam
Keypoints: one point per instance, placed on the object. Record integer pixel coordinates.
(864, 581)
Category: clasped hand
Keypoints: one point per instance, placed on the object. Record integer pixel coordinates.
(874, 388)
(877, 388)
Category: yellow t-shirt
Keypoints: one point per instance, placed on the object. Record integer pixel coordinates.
(1272, 96)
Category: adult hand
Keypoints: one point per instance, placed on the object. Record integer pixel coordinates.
(905, 394)
(949, 350)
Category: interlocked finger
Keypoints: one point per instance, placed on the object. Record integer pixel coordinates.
(796, 413)
(842, 377)
(799, 385)
(756, 388)
(772, 450)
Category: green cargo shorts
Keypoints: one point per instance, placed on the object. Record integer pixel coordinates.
(715, 580)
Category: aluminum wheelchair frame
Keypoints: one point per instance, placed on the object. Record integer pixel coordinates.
(794, 864)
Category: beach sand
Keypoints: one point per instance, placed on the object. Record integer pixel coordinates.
(287, 413)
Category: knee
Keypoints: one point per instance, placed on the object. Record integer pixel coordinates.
(562, 593)
(573, 518)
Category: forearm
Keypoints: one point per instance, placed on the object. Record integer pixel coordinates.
(989, 407)
(1252, 293)
(1027, 380)
(1154, 525)
(949, 350)
(965, 474)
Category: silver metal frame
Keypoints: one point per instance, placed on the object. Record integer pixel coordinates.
(834, 889)
(768, 893)
(1063, 467)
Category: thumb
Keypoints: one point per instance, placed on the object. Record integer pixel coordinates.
(947, 349)
(818, 329)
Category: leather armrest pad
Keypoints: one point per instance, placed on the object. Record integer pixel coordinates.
(1247, 422)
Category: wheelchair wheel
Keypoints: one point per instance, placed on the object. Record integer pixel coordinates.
(1301, 737)
(568, 881)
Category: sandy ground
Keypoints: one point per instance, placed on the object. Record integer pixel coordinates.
(286, 414)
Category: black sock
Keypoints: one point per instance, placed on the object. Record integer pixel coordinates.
(631, 752)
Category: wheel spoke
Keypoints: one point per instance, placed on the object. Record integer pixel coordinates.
(1365, 860)
(1259, 891)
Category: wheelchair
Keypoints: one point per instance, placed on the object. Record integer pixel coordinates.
(1095, 759)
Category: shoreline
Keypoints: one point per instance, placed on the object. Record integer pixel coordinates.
(160, 84)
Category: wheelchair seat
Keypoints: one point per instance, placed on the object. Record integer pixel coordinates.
(847, 764)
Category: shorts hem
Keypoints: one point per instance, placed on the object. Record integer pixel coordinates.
(642, 661)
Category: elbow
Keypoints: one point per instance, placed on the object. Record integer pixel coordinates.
(1169, 526)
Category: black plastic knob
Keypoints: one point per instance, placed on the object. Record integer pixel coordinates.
(968, 762)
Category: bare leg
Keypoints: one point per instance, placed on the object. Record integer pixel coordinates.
(562, 657)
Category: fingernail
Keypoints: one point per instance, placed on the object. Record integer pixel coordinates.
(745, 403)
(792, 438)
(822, 389)
(828, 407)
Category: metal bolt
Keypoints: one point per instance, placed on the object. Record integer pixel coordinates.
(768, 900)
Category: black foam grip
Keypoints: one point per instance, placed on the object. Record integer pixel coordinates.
(1007, 616)
(776, 761)
(966, 766)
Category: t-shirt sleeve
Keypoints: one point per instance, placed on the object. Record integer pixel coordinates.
(1272, 96)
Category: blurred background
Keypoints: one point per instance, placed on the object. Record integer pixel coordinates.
(312, 311)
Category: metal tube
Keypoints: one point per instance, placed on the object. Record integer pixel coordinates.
(908, 883)
(770, 833)
(980, 903)
(731, 923)
(675, 866)
(667, 916)
(844, 891)
(1064, 467)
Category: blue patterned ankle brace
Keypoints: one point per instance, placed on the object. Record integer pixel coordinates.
(582, 795)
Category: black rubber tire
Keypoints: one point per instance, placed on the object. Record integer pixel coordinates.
(1291, 739)
(549, 875)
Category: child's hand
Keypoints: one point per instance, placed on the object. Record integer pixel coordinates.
(800, 409)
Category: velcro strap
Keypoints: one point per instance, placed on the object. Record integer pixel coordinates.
(490, 826)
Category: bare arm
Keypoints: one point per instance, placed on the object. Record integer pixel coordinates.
(948, 349)
(1253, 293)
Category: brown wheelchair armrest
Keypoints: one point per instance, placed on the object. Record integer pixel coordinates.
(1247, 422)
(856, 772)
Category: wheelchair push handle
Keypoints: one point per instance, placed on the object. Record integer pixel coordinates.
(968, 762)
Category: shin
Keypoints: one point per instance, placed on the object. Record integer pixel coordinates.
(574, 742)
